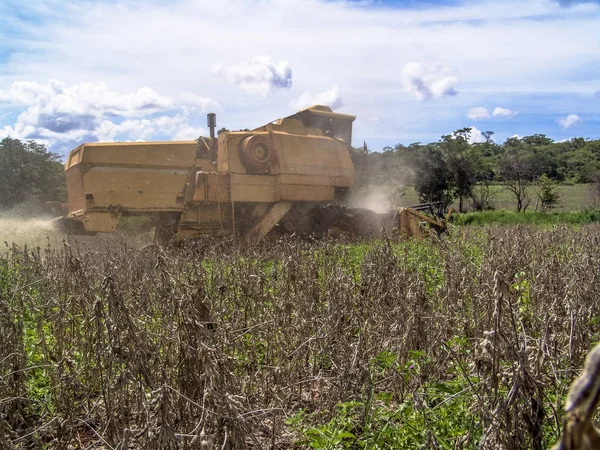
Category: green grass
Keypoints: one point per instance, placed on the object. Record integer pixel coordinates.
(572, 197)
(503, 217)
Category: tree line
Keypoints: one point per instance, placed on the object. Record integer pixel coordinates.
(456, 169)
(448, 170)
(29, 174)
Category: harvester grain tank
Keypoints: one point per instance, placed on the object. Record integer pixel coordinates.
(288, 176)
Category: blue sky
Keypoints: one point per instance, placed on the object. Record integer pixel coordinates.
(411, 71)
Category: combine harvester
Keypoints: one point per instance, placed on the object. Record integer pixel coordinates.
(293, 175)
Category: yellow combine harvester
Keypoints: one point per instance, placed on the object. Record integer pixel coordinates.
(292, 175)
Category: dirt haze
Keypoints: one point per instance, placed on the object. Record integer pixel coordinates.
(379, 198)
(41, 232)
(26, 231)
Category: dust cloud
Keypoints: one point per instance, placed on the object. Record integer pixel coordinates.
(40, 231)
(25, 231)
(375, 200)
(378, 198)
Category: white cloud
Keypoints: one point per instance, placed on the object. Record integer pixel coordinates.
(482, 113)
(359, 48)
(261, 76)
(177, 127)
(58, 113)
(478, 113)
(93, 98)
(476, 136)
(331, 97)
(569, 121)
(205, 104)
(425, 81)
(189, 133)
(504, 112)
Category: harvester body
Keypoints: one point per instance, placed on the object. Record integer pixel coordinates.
(239, 182)
(289, 176)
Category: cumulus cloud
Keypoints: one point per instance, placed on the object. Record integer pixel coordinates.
(482, 113)
(68, 36)
(476, 136)
(55, 97)
(504, 112)
(331, 97)
(426, 81)
(478, 113)
(189, 133)
(261, 76)
(55, 113)
(569, 121)
(204, 104)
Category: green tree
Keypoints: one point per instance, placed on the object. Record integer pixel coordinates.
(537, 140)
(548, 192)
(580, 165)
(432, 177)
(517, 170)
(360, 159)
(454, 167)
(463, 161)
(29, 172)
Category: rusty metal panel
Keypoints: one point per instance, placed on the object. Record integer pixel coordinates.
(223, 152)
(167, 154)
(103, 222)
(208, 219)
(241, 193)
(74, 157)
(253, 180)
(205, 215)
(211, 187)
(218, 187)
(205, 165)
(307, 193)
(75, 192)
(313, 155)
(201, 188)
(254, 188)
(136, 187)
(314, 180)
(136, 176)
(268, 221)
(228, 159)
(132, 201)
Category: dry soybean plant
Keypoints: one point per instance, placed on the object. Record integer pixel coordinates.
(225, 346)
(579, 432)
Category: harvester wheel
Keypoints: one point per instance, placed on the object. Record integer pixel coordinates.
(333, 222)
(341, 228)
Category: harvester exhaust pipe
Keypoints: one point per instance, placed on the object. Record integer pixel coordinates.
(211, 119)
